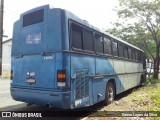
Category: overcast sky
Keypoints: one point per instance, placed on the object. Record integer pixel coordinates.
(97, 12)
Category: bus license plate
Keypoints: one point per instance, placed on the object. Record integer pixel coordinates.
(30, 80)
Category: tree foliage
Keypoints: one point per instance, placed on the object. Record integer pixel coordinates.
(139, 24)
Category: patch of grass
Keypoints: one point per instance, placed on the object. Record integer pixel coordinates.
(148, 96)
(155, 96)
(152, 81)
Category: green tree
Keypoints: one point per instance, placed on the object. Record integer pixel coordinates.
(139, 24)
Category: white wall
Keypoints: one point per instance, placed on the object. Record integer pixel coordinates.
(6, 59)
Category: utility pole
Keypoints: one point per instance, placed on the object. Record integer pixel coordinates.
(1, 33)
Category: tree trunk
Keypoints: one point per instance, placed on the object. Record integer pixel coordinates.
(150, 71)
(156, 63)
(155, 75)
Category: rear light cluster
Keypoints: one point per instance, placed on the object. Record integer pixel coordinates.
(11, 75)
(61, 78)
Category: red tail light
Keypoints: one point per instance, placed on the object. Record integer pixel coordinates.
(11, 75)
(61, 78)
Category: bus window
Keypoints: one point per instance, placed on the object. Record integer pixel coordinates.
(114, 47)
(120, 50)
(126, 52)
(98, 43)
(136, 53)
(130, 53)
(87, 40)
(76, 37)
(139, 56)
(33, 18)
(107, 46)
(133, 54)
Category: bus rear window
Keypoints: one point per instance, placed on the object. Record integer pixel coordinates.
(33, 18)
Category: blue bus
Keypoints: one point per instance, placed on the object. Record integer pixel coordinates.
(61, 60)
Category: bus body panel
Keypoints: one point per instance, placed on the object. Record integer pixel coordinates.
(33, 50)
(81, 70)
(36, 37)
(103, 68)
(36, 54)
(42, 97)
(96, 66)
(34, 67)
(129, 74)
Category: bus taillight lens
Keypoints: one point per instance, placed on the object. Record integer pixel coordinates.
(61, 78)
(11, 75)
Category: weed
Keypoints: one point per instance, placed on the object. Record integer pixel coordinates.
(152, 81)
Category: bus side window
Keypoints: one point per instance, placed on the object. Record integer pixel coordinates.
(76, 37)
(139, 56)
(120, 50)
(114, 48)
(87, 40)
(107, 46)
(133, 54)
(136, 55)
(98, 43)
(126, 52)
(130, 53)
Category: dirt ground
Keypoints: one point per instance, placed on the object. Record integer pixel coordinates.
(134, 100)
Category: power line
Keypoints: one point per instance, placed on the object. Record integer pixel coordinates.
(8, 11)
(12, 11)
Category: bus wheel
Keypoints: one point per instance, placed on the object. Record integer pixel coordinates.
(110, 93)
(142, 80)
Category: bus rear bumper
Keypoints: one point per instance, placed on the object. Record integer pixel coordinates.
(43, 98)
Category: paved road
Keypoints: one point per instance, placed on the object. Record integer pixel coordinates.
(5, 97)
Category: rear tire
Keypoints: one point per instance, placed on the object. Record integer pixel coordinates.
(142, 80)
(110, 93)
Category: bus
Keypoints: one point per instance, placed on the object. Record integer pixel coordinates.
(60, 60)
